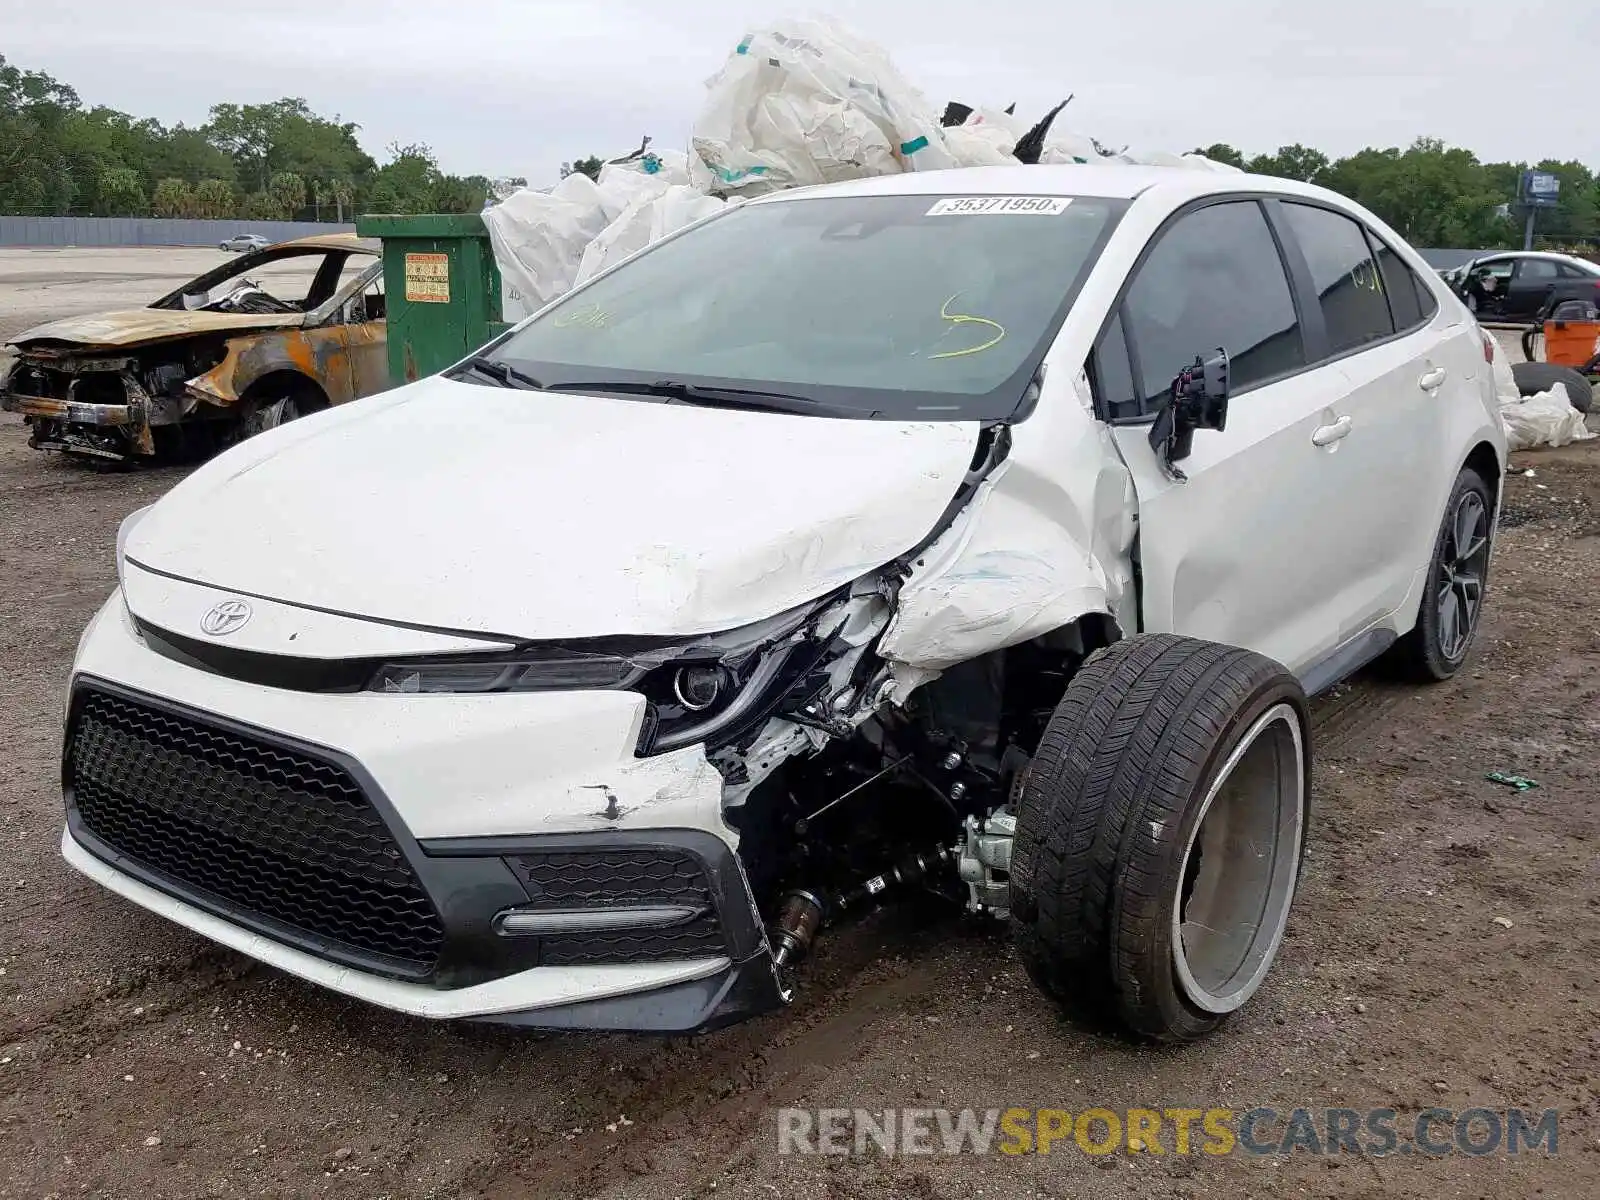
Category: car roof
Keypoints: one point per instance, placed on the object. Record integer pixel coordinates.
(335, 241)
(1547, 255)
(1116, 181)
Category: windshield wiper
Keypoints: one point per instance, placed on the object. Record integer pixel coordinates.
(502, 373)
(702, 395)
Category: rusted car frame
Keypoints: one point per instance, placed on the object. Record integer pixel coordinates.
(208, 363)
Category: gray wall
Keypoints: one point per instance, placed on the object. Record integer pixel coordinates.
(148, 231)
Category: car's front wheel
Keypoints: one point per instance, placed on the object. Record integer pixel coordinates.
(1159, 835)
(1457, 581)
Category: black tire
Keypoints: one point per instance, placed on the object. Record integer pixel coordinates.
(1535, 377)
(1110, 805)
(278, 404)
(1427, 654)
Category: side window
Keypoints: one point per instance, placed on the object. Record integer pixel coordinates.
(1111, 372)
(1215, 279)
(1536, 270)
(1410, 298)
(1347, 281)
(1571, 272)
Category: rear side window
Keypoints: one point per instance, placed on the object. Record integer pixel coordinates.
(1411, 299)
(1348, 284)
(1215, 279)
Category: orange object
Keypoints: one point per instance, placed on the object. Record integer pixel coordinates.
(1571, 343)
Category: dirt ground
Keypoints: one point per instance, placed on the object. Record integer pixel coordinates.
(138, 1061)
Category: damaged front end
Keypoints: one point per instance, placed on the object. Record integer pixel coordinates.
(104, 405)
(875, 739)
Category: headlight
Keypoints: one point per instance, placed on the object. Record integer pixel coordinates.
(699, 689)
(123, 530)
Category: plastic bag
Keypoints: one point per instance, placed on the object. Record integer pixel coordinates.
(980, 145)
(649, 175)
(806, 102)
(643, 222)
(538, 240)
(1545, 419)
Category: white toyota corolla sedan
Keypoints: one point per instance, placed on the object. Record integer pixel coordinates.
(980, 532)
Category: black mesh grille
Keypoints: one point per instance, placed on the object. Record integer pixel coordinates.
(263, 830)
(648, 875)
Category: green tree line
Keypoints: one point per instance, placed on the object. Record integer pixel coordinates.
(1438, 195)
(281, 160)
(277, 161)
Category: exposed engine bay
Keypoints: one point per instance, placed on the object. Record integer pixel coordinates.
(844, 794)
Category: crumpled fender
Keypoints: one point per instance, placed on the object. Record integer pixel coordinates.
(1043, 542)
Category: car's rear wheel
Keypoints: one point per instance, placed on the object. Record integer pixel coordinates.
(1457, 582)
(1159, 835)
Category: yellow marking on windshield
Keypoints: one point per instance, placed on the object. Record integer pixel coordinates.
(591, 316)
(968, 319)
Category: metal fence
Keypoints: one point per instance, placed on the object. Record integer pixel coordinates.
(148, 231)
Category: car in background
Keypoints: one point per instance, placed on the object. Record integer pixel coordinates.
(241, 242)
(269, 336)
(1518, 286)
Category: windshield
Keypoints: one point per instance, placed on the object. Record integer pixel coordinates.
(904, 307)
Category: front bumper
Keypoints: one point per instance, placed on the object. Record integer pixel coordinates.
(196, 759)
(77, 426)
(69, 411)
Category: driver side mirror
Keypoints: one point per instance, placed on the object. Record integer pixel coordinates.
(1198, 400)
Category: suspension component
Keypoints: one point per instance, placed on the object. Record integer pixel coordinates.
(799, 918)
(985, 862)
(911, 869)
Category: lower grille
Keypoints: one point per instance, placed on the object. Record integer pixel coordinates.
(648, 875)
(248, 829)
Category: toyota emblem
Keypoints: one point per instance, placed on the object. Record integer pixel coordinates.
(224, 618)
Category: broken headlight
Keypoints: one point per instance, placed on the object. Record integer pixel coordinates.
(533, 672)
(700, 689)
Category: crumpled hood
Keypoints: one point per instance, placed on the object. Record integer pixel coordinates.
(547, 515)
(137, 326)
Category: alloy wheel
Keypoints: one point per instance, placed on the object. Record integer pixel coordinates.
(1463, 563)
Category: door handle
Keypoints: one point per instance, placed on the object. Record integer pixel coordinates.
(1327, 435)
(1432, 380)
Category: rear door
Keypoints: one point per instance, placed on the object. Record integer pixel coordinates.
(1444, 338)
(1238, 551)
(1397, 370)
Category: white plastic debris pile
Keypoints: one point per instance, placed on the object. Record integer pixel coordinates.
(801, 102)
(1544, 419)
(545, 242)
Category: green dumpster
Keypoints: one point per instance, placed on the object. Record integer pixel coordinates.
(441, 289)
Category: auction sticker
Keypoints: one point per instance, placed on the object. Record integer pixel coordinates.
(985, 206)
(428, 278)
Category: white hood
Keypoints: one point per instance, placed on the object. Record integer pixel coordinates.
(546, 515)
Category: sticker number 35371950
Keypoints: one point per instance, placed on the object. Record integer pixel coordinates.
(1017, 206)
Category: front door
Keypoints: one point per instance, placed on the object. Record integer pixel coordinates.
(1237, 552)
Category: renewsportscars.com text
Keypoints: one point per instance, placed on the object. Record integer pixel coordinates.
(1376, 1132)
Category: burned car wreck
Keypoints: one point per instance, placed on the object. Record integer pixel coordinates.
(222, 357)
(955, 541)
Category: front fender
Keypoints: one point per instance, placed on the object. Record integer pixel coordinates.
(1005, 572)
(317, 354)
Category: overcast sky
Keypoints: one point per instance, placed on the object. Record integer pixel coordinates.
(514, 87)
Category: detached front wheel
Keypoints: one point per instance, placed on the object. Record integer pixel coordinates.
(1159, 835)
